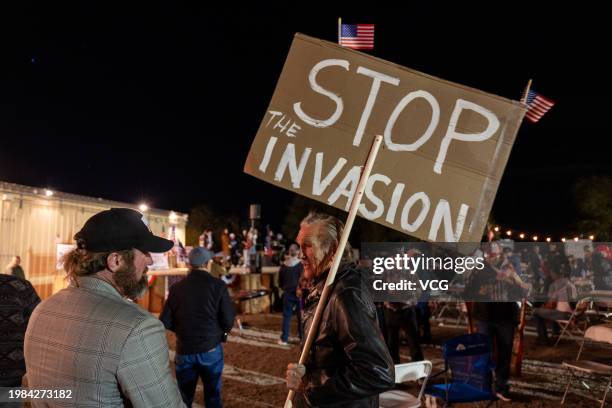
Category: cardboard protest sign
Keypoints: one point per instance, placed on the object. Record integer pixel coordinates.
(444, 151)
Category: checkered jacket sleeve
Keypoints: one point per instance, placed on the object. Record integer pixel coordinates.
(144, 371)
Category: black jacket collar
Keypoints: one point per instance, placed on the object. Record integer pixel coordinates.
(199, 272)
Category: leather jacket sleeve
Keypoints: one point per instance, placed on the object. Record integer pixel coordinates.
(368, 368)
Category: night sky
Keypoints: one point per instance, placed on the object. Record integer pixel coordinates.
(161, 102)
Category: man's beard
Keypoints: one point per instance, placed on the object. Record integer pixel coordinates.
(125, 279)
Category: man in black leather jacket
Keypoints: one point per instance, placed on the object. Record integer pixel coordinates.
(349, 364)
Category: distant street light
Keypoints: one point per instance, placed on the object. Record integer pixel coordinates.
(143, 207)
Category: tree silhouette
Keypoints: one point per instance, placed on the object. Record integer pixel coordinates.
(593, 196)
(204, 217)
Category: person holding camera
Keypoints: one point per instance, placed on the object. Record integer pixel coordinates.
(200, 311)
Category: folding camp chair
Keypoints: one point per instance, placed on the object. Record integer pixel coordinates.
(403, 373)
(576, 324)
(602, 304)
(467, 359)
(598, 334)
(455, 307)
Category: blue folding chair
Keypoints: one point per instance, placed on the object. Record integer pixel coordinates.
(469, 373)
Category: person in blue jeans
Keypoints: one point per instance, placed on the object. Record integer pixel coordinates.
(289, 277)
(208, 366)
(200, 312)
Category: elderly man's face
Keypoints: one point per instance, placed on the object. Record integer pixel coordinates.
(307, 253)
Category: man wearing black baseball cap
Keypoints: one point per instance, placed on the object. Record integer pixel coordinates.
(90, 337)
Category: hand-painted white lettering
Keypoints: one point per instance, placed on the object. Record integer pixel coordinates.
(273, 114)
(280, 125)
(312, 79)
(369, 193)
(288, 160)
(416, 224)
(266, 159)
(346, 187)
(451, 133)
(435, 118)
(318, 185)
(367, 110)
(292, 129)
(395, 197)
(443, 212)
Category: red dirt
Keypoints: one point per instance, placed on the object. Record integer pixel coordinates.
(272, 361)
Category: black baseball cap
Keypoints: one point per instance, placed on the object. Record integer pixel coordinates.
(119, 229)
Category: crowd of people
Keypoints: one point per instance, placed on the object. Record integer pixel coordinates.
(94, 339)
(542, 273)
(246, 248)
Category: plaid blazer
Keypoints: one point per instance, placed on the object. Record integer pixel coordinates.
(110, 351)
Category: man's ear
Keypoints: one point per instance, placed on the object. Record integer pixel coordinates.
(113, 261)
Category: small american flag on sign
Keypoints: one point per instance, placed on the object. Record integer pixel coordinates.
(357, 36)
(537, 106)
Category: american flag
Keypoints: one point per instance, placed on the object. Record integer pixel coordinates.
(357, 36)
(537, 106)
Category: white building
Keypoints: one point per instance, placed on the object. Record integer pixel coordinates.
(34, 222)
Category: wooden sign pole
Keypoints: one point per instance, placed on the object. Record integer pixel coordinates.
(314, 327)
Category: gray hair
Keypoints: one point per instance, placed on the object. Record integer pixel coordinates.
(326, 231)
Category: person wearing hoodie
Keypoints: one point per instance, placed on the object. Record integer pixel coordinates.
(288, 279)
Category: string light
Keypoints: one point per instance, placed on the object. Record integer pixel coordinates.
(523, 235)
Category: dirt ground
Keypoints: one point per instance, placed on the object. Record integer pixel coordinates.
(254, 354)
